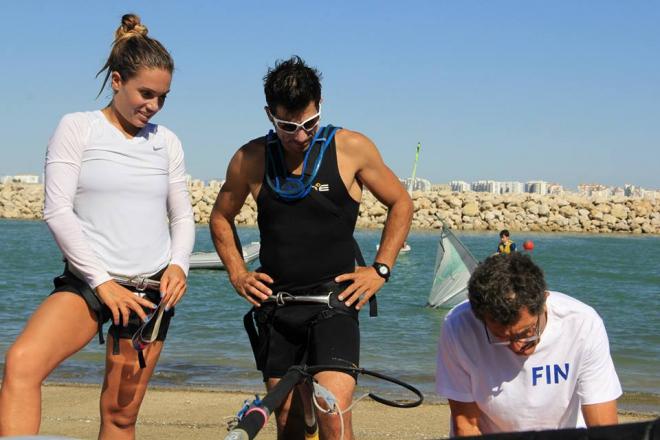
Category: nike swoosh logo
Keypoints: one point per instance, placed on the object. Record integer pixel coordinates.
(158, 147)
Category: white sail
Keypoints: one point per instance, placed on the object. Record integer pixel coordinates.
(454, 265)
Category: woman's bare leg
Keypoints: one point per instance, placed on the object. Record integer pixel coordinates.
(124, 388)
(61, 326)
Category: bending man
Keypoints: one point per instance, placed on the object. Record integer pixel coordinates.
(517, 357)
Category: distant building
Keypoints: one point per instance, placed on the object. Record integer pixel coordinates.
(511, 187)
(536, 187)
(628, 190)
(459, 186)
(441, 187)
(593, 190)
(20, 178)
(418, 185)
(489, 186)
(555, 188)
(652, 195)
(634, 191)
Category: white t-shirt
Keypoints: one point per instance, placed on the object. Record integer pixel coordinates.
(570, 367)
(115, 204)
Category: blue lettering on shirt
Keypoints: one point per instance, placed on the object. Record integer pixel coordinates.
(551, 373)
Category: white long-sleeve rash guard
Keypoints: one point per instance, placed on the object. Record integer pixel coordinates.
(114, 204)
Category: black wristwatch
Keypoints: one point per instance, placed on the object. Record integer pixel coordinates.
(383, 270)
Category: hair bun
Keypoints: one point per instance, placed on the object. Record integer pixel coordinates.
(130, 26)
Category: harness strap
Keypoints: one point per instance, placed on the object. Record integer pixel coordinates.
(115, 342)
(100, 330)
(141, 361)
(359, 258)
(373, 302)
(253, 335)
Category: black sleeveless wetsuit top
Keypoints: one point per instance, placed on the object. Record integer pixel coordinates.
(303, 244)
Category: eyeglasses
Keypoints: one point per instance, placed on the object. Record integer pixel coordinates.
(520, 338)
(307, 125)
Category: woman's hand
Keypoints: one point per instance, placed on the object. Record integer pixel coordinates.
(173, 286)
(122, 301)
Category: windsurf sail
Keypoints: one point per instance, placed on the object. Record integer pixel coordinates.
(453, 266)
(411, 184)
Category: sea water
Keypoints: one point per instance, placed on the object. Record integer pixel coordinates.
(618, 275)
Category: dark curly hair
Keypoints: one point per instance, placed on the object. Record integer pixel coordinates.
(503, 284)
(292, 84)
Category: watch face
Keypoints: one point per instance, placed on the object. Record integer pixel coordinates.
(382, 270)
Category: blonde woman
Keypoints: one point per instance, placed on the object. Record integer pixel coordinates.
(117, 205)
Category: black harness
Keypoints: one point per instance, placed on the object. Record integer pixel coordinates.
(276, 172)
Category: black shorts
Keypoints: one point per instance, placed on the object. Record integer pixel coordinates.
(67, 282)
(310, 334)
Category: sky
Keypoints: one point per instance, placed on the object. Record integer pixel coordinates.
(562, 91)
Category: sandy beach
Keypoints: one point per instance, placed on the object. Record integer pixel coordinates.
(72, 411)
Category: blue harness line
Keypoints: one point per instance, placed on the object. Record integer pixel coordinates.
(280, 180)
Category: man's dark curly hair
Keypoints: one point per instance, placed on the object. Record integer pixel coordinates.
(292, 84)
(503, 284)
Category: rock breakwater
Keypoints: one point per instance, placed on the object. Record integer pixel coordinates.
(460, 211)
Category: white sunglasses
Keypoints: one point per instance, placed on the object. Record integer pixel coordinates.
(290, 127)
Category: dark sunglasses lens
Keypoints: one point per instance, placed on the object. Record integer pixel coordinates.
(311, 123)
(289, 128)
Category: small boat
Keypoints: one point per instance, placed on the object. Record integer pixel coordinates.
(211, 260)
(406, 248)
(454, 265)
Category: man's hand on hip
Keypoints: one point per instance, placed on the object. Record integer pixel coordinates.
(250, 285)
(365, 283)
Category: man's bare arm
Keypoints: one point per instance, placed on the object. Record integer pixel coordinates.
(371, 171)
(228, 204)
(465, 418)
(599, 414)
(386, 187)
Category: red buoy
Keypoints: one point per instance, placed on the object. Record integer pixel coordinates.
(528, 245)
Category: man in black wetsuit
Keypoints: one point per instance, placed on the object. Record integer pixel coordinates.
(307, 180)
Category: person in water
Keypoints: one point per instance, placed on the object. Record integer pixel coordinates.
(506, 246)
(307, 180)
(116, 202)
(517, 357)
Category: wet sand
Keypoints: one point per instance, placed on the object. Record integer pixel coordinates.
(72, 411)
